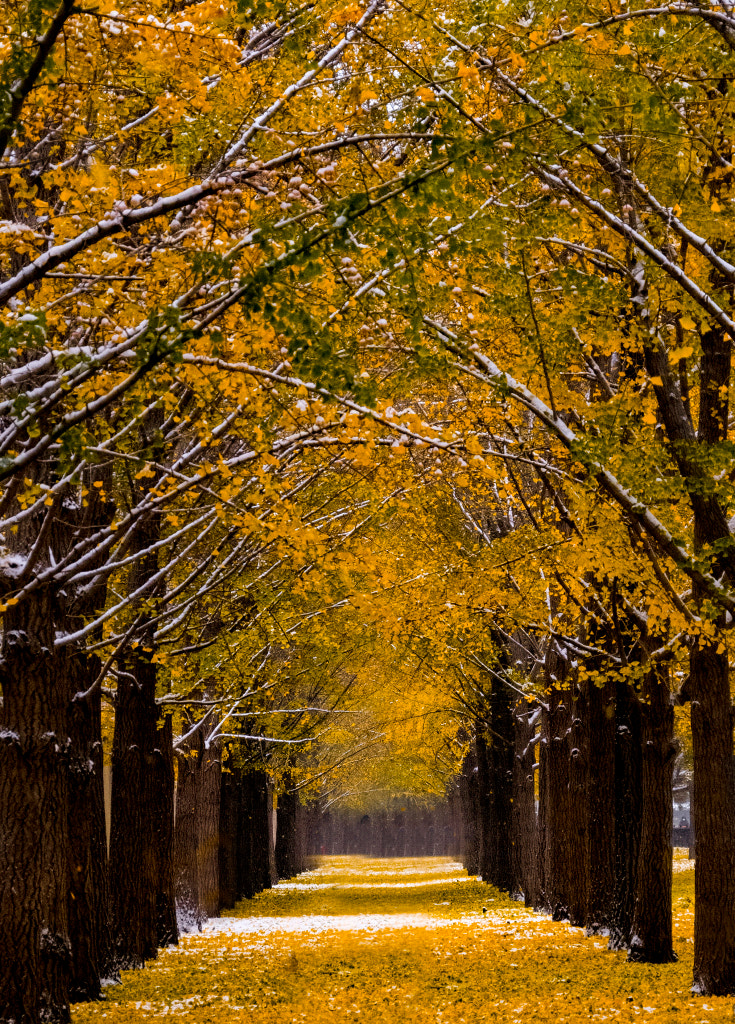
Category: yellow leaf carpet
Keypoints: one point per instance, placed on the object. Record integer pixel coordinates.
(404, 940)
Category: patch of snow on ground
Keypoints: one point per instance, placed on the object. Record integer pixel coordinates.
(312, 886)
(320, 923)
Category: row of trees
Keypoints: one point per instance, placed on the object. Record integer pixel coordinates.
(342, 350)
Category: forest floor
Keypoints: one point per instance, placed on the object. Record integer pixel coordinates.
(393, 941)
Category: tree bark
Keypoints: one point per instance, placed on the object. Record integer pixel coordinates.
(228, 837)
(627, 815)
(600, 851)
(133, 852)
(524, 810)
(500, 764)
(652, 938)
(208, 799)
(89, 904)
(484, 806)
(557, 867)
(714, 814)
(287, 839)
(163, 828)
(35, 950)
(187, 864)
(577, 810)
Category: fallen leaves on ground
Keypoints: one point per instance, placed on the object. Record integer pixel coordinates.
(405, 940)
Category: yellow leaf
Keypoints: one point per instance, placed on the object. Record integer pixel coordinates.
(624, 50)
(657, 382)
(649, 418)
(425, 94)
(688, 324)
(681, 353)
(368, 94)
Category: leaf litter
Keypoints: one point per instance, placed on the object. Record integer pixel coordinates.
(405, 940)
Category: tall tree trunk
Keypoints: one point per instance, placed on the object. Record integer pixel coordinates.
(89, 905)
(541, 900)
(208, 800)
(133, 851)
(484, 806)
(500, 765)
(524, 810)
(627, 814)
(228, 836)
(577, 821)
(468, 785)
(600, 851)
(556, 872)
(35, 951)
(287, 857)
(263, 858)
(652, 939)
(163, 827)
(187, 862)
(714, 814)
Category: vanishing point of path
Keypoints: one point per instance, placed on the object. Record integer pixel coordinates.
(403, 941)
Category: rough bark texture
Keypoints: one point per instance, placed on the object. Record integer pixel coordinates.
(133, 858)
(500, 765)
(627, 815)
(556, 870)
(600, 851)
(163, 828)
(577, 810)
(541, 901)
(523, 809)
(89, 905)
(652, 939)
(35, 952)
(289, 844)
(714, 814)
(484, 806)
(208, 796)
(228, 835)
(470, 815)
(189, 911)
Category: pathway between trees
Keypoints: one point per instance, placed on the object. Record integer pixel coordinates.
(404, 940)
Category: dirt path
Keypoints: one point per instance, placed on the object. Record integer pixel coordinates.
(403, 941)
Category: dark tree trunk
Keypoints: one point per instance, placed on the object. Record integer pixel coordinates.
(484, 806)
(524, 810)
(541, 900)
(600, 851)
(627, 814)
(230, 803)
(287, 839)
(468, 796)
(133, 849)
(208, 799)
(263, 856)
(187, 864)
(652, 939)
(89, 904)
(163, 827)
(714, 814)
(500, 765)
(577, 810)
(557, 867)
(35, 951)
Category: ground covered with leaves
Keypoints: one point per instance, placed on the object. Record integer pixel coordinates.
(404, 940)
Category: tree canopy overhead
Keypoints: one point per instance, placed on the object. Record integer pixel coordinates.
(355, 360)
